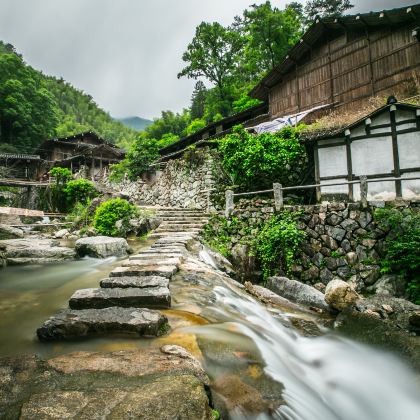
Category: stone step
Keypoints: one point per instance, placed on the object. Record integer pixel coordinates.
(161, 261)
(179, 219)
(151, 297)
(166, 271)
(155, 256)
(134, 282)
(70, 324)
(179, 227)
(180, 214)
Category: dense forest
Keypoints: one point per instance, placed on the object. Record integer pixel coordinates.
(34, 107)
(230, 59)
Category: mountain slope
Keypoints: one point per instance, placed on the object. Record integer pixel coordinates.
(34, 107)
(135, 123)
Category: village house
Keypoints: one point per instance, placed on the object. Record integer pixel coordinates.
(336, 67)
(85, 152)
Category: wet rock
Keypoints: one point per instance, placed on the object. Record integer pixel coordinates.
(414, 319)
(70, 324)
(389, 285)
(9, 232)
(61, 233)
(32, 251)
(339, 295)
(235, 394)
(151, 297)
(297, 292)
(102, 247)
(326, 276)
(136, 282)
(269, 297)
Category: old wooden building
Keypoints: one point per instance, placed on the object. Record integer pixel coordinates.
(84, 151)
(383, 145)
(343, 61)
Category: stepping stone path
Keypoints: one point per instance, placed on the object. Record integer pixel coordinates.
(127, 300)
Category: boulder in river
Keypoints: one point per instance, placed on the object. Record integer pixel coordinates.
(102, 247)
(34, 251)
(297, 292)
(339, 294)
(9, 232)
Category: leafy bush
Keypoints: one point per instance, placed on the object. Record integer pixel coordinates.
(256, 161)
(278, 242)
(79, 191)
(61, 175)
(109, 212)
(403, 245)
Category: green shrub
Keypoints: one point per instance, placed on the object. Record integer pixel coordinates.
(109, 212)
(256, 161)
(278, 242)
(61, 175)
(79, 191)
(402, 245)
(118, 171)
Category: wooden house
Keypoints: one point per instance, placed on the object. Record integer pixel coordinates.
(82, 151)
(16, 165)
(343, 61)
(384, 144)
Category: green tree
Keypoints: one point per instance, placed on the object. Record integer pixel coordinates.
(270, 32)
(324, 8)
(213, 54)
(198, 101)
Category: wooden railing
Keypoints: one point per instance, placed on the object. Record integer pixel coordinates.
(278, 191)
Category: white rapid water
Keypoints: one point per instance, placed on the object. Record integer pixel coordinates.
(325, 378)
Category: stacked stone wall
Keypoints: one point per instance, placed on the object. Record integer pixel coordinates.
(342, 240)
(185, 182)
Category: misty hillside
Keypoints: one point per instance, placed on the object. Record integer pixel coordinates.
(35, 107)
(136, 123)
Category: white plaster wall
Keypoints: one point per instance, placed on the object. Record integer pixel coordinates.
(380, 119)
(372, 156)
(411, 189)
(409, 150)
(377, 191)
(336, 189)
(332, 161)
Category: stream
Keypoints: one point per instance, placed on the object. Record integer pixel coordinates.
(295, 372)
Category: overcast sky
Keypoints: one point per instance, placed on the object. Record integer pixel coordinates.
(125, 53)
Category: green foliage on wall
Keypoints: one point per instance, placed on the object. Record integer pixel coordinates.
(403, 245)
(109, 212)
(278, 242)
(256, 161)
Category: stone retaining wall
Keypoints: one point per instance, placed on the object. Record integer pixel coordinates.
(183, 183)
(342, 239)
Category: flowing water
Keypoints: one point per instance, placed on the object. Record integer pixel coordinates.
(275, 363)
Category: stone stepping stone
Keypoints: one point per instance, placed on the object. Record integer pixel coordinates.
(69, 324)
(161, 261)
(146, 270)
(150, 297)
(155, 256)
(136, 282)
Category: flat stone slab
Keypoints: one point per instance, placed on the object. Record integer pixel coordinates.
(136, 282)
(69, 324)
(145, 270)
(151, 297)
(160, 261)
(156, 256)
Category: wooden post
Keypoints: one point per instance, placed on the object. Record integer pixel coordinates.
(363, 191)
(278, 196)
(229, 203)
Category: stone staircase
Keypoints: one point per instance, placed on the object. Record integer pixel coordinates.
(129, 299)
